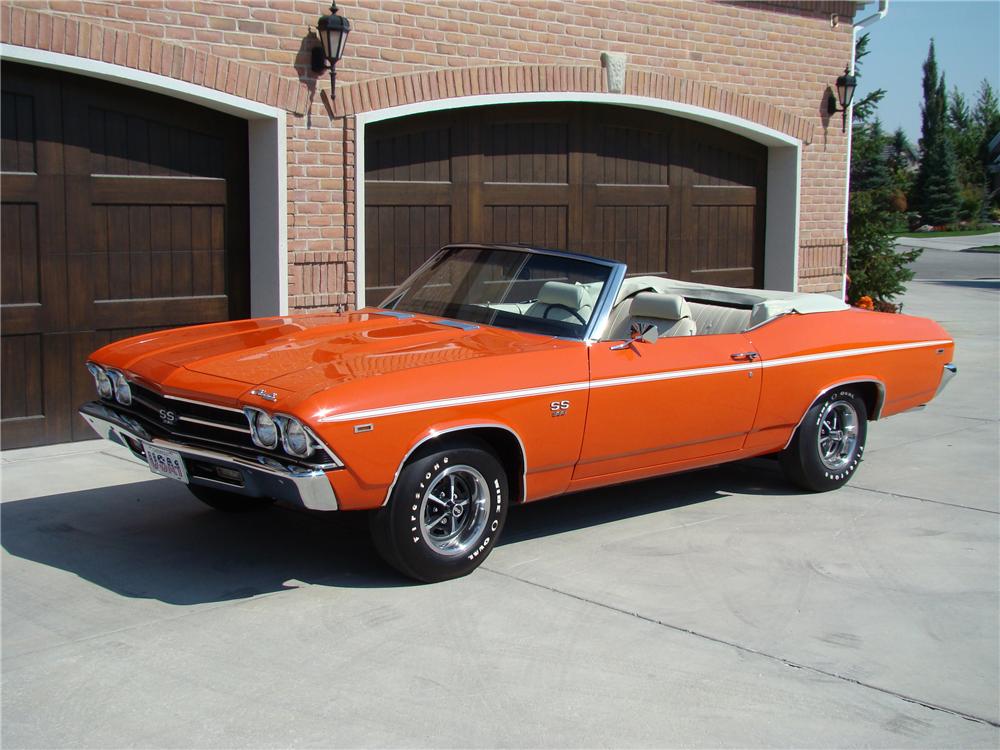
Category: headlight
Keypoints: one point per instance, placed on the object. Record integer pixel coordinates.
(263, 429)
(123, 393)
(294, 438)
(101, 380)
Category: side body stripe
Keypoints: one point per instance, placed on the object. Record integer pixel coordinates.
(620, 381)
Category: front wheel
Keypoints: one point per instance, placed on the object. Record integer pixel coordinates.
(827, 447)
(445, 514)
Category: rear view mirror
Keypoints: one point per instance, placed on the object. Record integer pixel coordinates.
(646, 332)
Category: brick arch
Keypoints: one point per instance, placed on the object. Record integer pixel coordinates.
(392, 91)
(53, 32)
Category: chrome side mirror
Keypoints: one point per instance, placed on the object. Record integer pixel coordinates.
(645, 333)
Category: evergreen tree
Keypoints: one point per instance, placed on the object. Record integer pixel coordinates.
(869, 163)
(864, 108)
(986, 113)
(875, 268)
(937, 191)
(965, 136)
(986, 117)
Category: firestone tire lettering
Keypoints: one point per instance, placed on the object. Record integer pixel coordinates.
(396, 528)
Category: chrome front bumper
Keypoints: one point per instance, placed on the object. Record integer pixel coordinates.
(264, 477)
(947, 374)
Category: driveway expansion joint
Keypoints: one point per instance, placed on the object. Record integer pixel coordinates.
(924, 499)
(748, 650)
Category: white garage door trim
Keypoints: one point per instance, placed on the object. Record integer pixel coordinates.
(784, 165)
(268, 172)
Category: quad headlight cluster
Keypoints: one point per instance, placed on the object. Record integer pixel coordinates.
(111, 383)
(268, 430)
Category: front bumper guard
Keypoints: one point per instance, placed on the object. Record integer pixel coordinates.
(264, 477)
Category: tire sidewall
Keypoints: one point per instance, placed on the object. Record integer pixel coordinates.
(815, 470)
(420, 559)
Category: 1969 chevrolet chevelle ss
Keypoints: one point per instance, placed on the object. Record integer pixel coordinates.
(498, 375)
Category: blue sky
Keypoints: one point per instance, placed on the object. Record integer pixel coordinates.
(966, 42)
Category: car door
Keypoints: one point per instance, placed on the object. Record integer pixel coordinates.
(678, 399)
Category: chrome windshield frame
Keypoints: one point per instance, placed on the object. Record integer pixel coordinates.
(602, 307)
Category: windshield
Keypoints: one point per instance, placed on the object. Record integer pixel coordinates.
(520, 290)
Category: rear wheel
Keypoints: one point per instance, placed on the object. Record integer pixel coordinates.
(827, 447)
(228, 502)
(445, 513)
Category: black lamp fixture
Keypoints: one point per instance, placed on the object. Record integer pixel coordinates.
(846, 84)
(333, 31)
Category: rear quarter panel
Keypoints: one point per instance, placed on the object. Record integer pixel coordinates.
(805, 355)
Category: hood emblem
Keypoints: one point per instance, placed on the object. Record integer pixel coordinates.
(264, 394)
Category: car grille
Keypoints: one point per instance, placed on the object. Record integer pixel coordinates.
(200, 424)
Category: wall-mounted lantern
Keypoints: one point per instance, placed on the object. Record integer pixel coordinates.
(846, 84)
(332, 31)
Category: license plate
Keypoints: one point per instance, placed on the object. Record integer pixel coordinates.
(166, 463)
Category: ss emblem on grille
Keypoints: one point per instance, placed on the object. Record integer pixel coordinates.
(167, 417)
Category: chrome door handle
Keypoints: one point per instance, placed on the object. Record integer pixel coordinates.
(748, 356)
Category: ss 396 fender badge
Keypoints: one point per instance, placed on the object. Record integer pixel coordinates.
(559, 408)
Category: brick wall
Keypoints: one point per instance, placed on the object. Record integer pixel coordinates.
(769, 61)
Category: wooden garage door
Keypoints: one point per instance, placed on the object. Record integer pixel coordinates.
(122, 212)
(666, 195)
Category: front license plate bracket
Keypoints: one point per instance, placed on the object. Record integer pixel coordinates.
(165, 462)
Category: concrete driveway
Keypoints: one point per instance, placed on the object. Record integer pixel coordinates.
(720, 608)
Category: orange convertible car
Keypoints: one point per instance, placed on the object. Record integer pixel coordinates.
(498, 375)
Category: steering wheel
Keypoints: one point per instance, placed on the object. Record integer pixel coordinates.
(570, 310)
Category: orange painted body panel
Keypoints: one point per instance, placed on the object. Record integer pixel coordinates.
(414, 378)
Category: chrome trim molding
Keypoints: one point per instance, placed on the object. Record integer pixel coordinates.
(200, 403)
(455, 324)
(879, 401)
(217, 425)
(310, 488)
(602, 307)
(605, 303)
(463, 428)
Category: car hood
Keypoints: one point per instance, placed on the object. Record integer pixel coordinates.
(306, 353)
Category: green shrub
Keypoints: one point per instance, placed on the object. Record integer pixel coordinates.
(875, 268)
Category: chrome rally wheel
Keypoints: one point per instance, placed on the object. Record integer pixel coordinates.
(446, 511)
(454, 510)
(829, 443)
(837, 436)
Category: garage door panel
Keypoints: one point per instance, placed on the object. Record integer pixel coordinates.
(136, 212)
(631, 156)
(636, 235)
(17, 152)
(525, 152)
(547, 226)
(413, 233)
(21, 395)
(666, 195)
(19, 275)
(415, 155)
